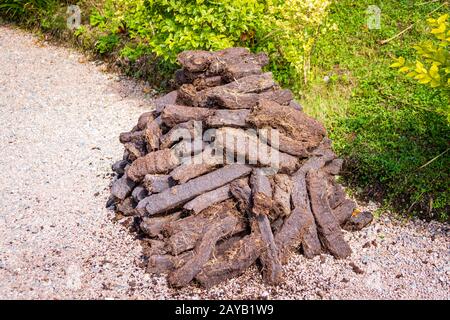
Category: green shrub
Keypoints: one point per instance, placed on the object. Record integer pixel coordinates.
(432, 67)
(20, 8)
(160, 29)
(47, 15)
(107, 43)
(284, 29)
(31, 10)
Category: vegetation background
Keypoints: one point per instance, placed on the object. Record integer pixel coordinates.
(393, 131)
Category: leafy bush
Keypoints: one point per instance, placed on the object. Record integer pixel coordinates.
(284, 29)
(20, 8)
(432, 67)
(107, 43)
(160, 29)
(294, 28)
(48, 15)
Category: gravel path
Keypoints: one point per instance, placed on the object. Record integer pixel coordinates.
(59, 123)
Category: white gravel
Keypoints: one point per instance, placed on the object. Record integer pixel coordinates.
(59, 125)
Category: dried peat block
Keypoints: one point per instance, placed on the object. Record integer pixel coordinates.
(152, 247)
(244, 66)
(358, 220)
(219, 97)
(336, 194)
(282, 188)
(133, 136)
(122, 187)
(242, 192)
(235, 63)
(126, 207)
(290, 235)
(119, 167)
(186, 94)
(204, 82)
(161, 262)
(327, 225)
(227, 243)
(135, 150)
(178, 195)
(156, 183)
(241, 69)
(280, 96)
(247, 146)
(287, 163)
(251, 84)
(226, 56)
(198, 165)
(166, 263)
(186, 172)
(184, 233)
(145, 119)
(131, 153)
(239, 94)
(344, 211)
(295, 105)
(111, 203)
(310, 243)
(183, 236)
(195, 60)
(183, 76)
(189, 130)
(261, 229)
(276, 226)
(261, 193)
(293, 124)
(161, 102)
(153, 226)
(155, 162)
(174, 114)
(152, 134)
(324, 149)
(262, 205)
(186, 149)
(334, 167)
(139, 193)
(207, 199)
(270, 256)
(284, 144)
(316, 162)
(299, 227)
(233, 262)
(228, 118)
(202, 252)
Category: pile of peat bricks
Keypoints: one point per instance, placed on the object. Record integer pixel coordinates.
(208, 218)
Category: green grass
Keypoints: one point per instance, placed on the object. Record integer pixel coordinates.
(382, 123)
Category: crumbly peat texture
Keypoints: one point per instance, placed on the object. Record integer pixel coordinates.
(203, 217)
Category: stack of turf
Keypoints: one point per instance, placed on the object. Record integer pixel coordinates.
(227, 171)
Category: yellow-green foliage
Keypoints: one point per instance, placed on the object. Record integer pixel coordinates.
(432, 66)
(295, 25)
(284, 29)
